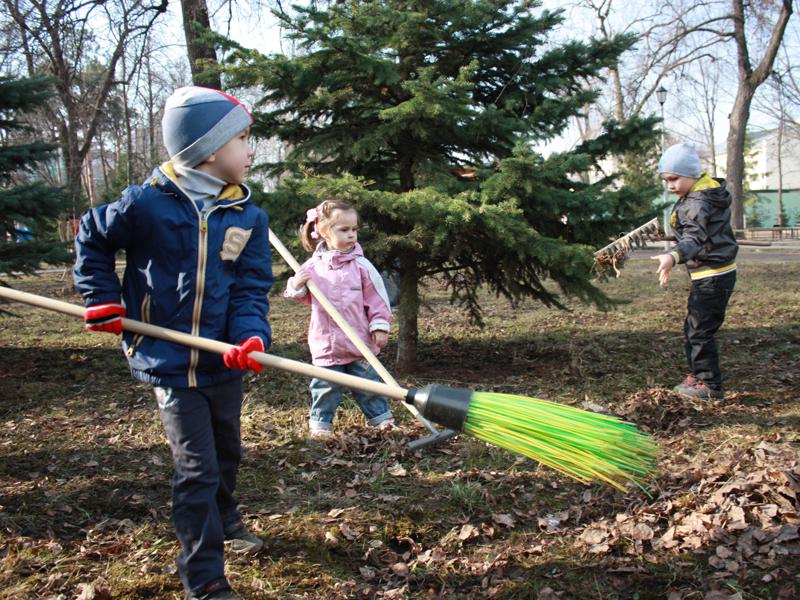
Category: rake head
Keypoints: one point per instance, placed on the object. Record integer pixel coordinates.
(614, 254)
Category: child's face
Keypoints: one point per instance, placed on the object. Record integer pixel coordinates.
(232, 162)
(342, 233)
(678, 184)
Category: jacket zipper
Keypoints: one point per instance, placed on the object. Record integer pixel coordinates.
(145, 317)
(200, 283)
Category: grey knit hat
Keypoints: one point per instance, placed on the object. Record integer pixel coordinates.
(681, 159)
(198, 121)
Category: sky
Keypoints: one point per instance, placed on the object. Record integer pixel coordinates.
(253, 25)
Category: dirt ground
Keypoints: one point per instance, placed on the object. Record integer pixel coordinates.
(84, 467)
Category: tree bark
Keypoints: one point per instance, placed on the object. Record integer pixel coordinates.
(734, 173)
(201, 56)
(748, 81)
(408, 311)
(126, 115)
(408, 334)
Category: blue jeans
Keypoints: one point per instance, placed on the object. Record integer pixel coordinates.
(326, 397)
(203, 430)
(705, 314)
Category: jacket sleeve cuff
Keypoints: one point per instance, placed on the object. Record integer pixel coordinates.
(290, 292)
(97, 299)
(379, 325)
(676, 256)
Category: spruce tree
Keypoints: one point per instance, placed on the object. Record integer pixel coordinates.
(425, 114)
(28, 207)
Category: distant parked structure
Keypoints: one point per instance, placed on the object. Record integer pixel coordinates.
(764, 178)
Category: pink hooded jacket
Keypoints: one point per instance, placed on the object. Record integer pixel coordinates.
(355, 288)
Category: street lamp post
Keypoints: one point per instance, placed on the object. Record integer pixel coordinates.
(661, 96)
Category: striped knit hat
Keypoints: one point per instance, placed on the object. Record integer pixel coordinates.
(198, 121)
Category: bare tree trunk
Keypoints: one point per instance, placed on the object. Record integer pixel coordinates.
(89, 179)
(103, 160)
(734, 171)
(749, 80)
(126, 115)
(151, 126)
(408, 312)
(201, 56)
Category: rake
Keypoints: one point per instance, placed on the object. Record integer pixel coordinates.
(586, 446)
(436, 435)
(616, 252)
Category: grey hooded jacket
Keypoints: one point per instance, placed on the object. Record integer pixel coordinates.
(701, 223)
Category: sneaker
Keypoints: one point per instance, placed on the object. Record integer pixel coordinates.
(697, 389)
(317, 433)
(243, 541)
(387, 425)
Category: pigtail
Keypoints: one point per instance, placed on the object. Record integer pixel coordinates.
(306, 237)
(320, 217)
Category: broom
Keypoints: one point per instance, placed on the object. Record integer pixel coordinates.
(583, 445)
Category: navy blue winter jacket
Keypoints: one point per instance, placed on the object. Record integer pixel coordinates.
(203, 274)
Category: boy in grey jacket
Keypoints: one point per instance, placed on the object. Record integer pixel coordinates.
(701, 223)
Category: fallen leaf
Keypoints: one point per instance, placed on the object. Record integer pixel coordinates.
(547, 593)
(504, 519)
(367, 572)
(400, 568)
(348, 532)
(642, 532)
(468, 532)
(397, 470)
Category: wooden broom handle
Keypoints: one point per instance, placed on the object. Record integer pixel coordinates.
(344, 325)
(335, 314)
(209, 345)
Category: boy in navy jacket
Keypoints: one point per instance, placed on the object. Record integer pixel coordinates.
(197, 261)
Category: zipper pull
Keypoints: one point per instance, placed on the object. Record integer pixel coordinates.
(203, 224)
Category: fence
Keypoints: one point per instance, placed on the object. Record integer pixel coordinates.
(768, 233)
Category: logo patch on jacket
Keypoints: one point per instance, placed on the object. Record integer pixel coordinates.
(235, 241)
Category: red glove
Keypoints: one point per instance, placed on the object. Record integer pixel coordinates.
(104, 317)
(238, 356)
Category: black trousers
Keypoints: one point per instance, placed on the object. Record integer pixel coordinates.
(708, 300)
(203, 429)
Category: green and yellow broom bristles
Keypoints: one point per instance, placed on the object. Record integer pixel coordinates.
(584, 445)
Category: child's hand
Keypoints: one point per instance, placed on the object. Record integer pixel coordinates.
(300, 278)
(665, 264)
(238, 357)
(380, 338)
(105, 317)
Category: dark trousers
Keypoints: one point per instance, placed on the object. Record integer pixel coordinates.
(708, 300)
(203, 429)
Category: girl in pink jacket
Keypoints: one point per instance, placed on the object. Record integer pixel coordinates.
(355, 288)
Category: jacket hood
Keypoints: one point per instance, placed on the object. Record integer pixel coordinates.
(334, 257)
(716, 196)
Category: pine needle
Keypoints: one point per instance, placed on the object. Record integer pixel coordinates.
(583, 445)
